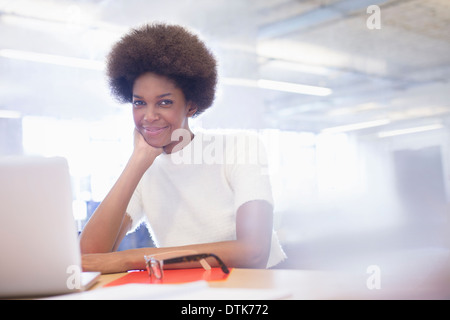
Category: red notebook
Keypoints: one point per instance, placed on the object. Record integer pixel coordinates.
(172, 276)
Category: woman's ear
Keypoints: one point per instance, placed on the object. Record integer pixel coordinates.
(192, 109)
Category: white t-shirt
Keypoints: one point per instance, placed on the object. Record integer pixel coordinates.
(191, 196)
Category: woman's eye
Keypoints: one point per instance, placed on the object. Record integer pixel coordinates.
(138, 103)
(165, 103)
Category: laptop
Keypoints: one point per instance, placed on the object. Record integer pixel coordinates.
(39, 248)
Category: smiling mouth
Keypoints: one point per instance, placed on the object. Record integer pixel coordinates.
(153, 131)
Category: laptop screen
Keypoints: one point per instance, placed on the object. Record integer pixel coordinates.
(38, 236)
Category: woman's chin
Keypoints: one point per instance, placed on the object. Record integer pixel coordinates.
(154, 143)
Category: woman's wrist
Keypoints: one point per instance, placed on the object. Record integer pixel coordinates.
(143, 159)
(111, 262)
(133, 259)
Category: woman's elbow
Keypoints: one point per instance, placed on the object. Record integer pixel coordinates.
(257, 257)
(87, 247)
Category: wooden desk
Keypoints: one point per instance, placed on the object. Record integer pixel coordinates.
(311, 284)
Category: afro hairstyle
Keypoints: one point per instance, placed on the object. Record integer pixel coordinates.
(167, 50)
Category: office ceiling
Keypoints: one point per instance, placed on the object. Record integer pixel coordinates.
(396, 76)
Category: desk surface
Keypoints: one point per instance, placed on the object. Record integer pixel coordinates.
(313, 284)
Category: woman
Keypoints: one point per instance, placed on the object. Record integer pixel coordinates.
(219, 205)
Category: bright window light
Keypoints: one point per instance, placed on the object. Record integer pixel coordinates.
(10, 114)
(337, 165)
(79, 208)
(97, 150)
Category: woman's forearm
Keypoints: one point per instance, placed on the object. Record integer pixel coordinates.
(101, 232)
(233, 253)
(251, 248)
(107, 224)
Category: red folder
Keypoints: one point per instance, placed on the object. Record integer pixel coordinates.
(172, 276)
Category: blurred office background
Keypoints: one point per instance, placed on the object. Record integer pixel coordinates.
(354, 108)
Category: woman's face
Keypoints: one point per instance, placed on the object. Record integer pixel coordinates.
(159, 108)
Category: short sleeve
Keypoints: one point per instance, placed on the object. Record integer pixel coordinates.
(247, 169)
(135, 209)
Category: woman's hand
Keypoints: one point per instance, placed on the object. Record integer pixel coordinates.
(143, 151)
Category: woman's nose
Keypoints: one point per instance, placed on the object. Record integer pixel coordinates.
(151, 114)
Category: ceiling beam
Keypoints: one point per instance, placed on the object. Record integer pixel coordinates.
(315, 17)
